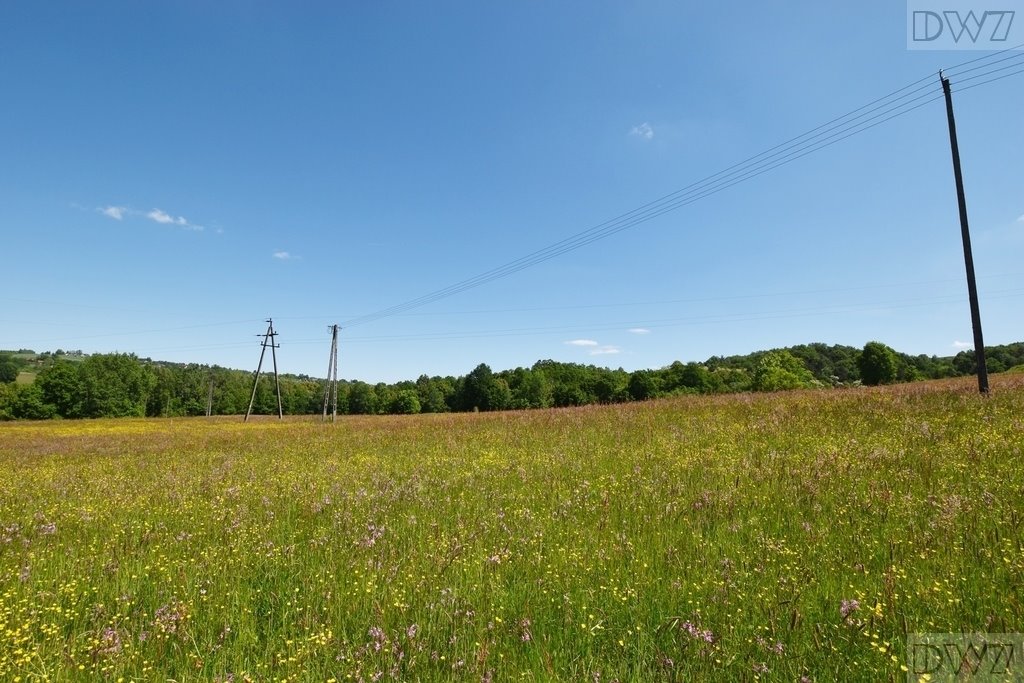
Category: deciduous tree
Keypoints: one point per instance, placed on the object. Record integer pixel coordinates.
(877, 363)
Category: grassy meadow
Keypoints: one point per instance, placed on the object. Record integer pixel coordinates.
(795, 536)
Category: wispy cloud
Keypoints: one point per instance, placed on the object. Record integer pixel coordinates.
(582, 342)
(156, 215)
(962, 345)
(160, 217)
(285, 256)
(606, 351)
(1021, 219)
(115, 212)
(639, 330)
(643, 131)
(164, 218)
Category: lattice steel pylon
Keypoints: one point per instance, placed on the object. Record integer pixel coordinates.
(268, 340)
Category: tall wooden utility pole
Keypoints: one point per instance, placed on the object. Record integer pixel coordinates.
(209, 399)
(972, 287)
(331, 390)
(268, 340)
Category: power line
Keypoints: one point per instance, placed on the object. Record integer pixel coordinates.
(814, 140)
(957, 70)
(1017, 62)
(904, 100)
(605, 230)
(993, 80)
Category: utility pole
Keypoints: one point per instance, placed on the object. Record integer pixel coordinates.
(972, 286)
(331, 390)
(268, 340)
(209, 399)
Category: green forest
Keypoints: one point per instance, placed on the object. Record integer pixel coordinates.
(74, 385)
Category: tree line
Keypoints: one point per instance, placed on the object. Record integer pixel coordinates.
(122, 385)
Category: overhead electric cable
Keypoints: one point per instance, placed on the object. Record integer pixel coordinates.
(992, 80)
(854, 122)
(651, 211)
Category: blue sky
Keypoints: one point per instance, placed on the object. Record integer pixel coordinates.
(174, 173)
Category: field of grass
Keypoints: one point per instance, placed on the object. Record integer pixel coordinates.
(768, 537)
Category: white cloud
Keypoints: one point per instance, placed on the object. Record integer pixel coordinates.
(962, 345)
(165, 218)
(606, 351)
(644, 131)
(156, 215)
(639, 330)
(159, 216)
(582, 342)
(1021, 219)
(285, 256)
(115, 212)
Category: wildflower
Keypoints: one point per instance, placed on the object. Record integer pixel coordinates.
(373, 534)
(697, 633)
(110, 642)
(703, 501)
(170, 618)
(412, 631)
(378, 636)
(9, 531)
(776, 648)
(848, 607)
(524, 631)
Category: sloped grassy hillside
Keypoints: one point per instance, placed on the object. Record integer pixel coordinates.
(744, 537)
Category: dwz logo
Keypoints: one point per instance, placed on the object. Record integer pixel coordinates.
(979, 657)
(996, 24)
(960, 27)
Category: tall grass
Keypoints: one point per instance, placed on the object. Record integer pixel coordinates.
(768, 537)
